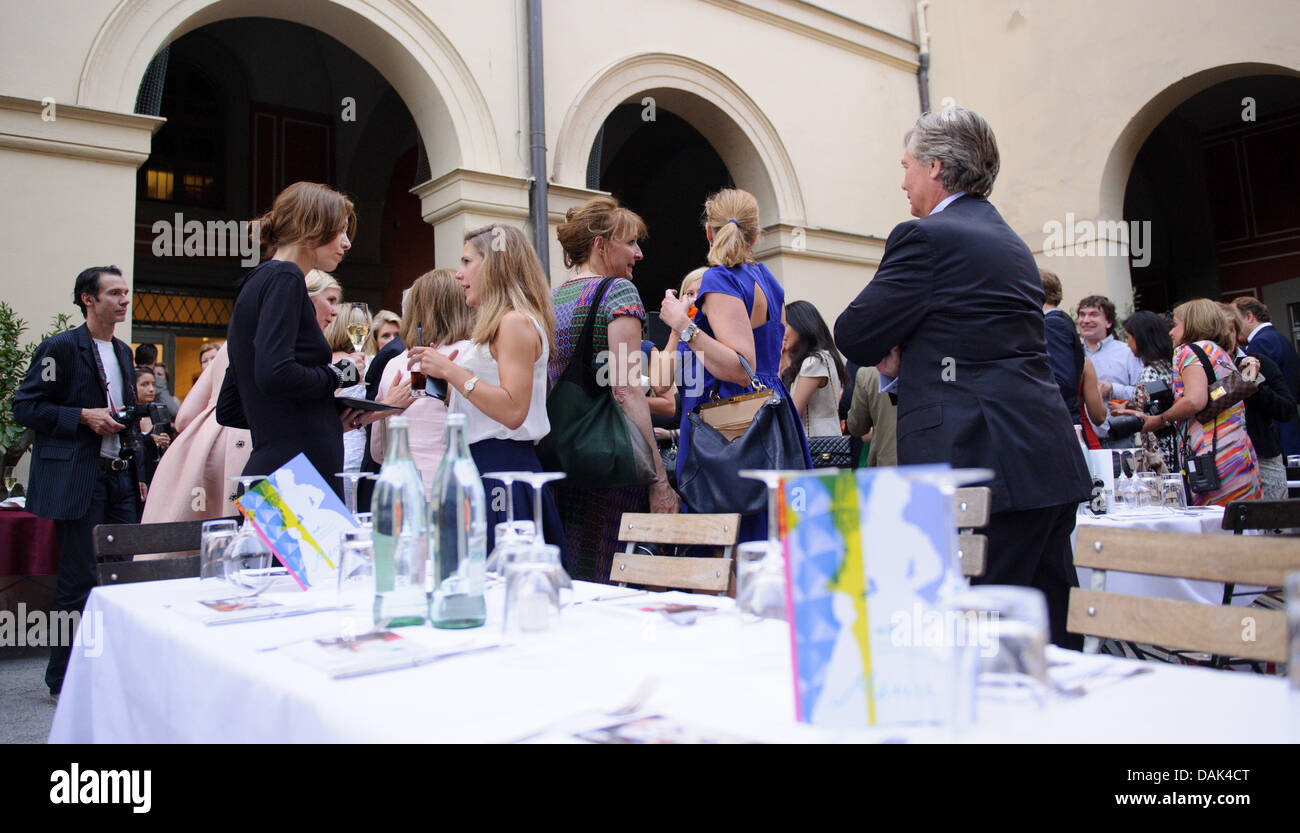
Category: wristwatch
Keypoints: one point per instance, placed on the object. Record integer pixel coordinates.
(688, 332)
(469, 384)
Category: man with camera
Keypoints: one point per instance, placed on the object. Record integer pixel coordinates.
(79, 398)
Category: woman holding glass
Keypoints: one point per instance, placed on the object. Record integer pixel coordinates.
(738, 314)
(434, 313)
(1202, 323)
(499, 380)
(280, 383)
(1148, 338)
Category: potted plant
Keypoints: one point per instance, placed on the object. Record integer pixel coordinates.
(15, 439)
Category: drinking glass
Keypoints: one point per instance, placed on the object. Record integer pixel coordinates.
(764, 592)
(350, 479)
(356, 569)
(214, 542)
(1172, 493)
(250, 563)
(357, 320)
(10, 480)
(365, 520)
(537, 480)
(509, 537)
(493, 565)
(532, 597)
(1001, 633)
(1149, 491)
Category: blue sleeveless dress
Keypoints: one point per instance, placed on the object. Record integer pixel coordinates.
(696, 381)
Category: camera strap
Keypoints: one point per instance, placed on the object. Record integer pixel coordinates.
(103, 374)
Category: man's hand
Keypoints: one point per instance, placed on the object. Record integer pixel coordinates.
(1106, 389)
(162, 441)
(888, 366)
(144, 492)
(100, 421)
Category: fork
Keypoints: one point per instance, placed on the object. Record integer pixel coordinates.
(630, 706)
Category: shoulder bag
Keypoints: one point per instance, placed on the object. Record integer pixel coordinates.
(756, 430)
(591, 439)
(1223, 393)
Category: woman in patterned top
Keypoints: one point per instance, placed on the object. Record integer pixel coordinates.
(1200, 322)
(1148, 338)
(600, 240)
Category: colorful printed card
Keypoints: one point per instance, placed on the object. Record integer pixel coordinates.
(298, 515)
(869, 553)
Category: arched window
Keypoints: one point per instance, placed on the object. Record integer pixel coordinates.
(187, 162)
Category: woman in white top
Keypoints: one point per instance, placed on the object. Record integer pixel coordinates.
(499, 382)
(434, 312)
(812, 369)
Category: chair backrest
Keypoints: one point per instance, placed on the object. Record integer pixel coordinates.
(970, 509)
(1243, 515)
(1222, 630)
(117, 540)
(679, 572)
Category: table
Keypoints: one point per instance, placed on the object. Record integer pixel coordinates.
(158, 677)
(1200, 519)
(28, 546)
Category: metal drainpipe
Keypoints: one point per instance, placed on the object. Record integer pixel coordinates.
(537, 138)
(923, 61)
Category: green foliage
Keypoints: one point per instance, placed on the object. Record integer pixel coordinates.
(14, 359)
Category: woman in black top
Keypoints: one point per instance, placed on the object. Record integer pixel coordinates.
(280, 384)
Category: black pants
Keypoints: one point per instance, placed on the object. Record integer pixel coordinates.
(1031, 548)
(113, 500)
(517, 455)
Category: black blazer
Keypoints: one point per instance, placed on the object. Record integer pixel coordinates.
(1271, 404)
(1065, 353)
(961, 294)
(1272, 343)
(279, 384)
(65, 453)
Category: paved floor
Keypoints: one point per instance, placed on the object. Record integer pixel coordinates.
(26, 710)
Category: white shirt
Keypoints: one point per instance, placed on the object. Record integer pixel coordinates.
(1258, 327)
(109, 446)
(477, 359)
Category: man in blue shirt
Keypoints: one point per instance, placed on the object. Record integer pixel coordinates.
(1118, 370)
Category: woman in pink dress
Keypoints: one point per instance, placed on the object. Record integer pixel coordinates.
(191, 481)
(434, 310)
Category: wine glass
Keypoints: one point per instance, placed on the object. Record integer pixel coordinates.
(358, 323)
(11, 480)
(350, 479)
(538, 479)
(249, 559)
(760, 573)
(504, 533)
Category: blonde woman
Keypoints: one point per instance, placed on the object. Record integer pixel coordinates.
(384, 327)
(739, 314)
(1202, 323)
(499, 380)
(434, 310)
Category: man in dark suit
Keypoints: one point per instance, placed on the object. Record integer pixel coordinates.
(1263, 339)
(374, 372)
(85, 463)
(1064, 350)
(959, 293)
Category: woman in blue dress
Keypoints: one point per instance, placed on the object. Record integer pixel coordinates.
(737, 313)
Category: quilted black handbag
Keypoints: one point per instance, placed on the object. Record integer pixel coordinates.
(830, 452)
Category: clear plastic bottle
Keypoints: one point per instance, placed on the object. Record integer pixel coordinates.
(400, 541)
(458, 539)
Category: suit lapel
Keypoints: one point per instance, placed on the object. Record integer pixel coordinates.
(86, 347)
(127, 365)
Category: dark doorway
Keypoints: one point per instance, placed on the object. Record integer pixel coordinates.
(1215, 181)
(663, 170)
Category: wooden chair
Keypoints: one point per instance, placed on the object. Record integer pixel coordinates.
(114, 541)
(971, 511)
(679, 572)
(1219, 630)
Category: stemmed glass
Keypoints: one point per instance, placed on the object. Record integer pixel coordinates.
(538, 479)
(11, 480)
(511, 532)
(358, 323)
(249, 560)
(760, 571)
(350, 479)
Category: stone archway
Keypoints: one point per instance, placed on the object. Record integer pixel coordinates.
(419, 61)
(1120, 162)
(706, 98)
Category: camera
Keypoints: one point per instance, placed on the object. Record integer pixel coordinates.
(1159, 397)
(130, 416)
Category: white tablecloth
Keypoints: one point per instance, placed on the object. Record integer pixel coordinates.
(159, 677)
(1201, 519)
